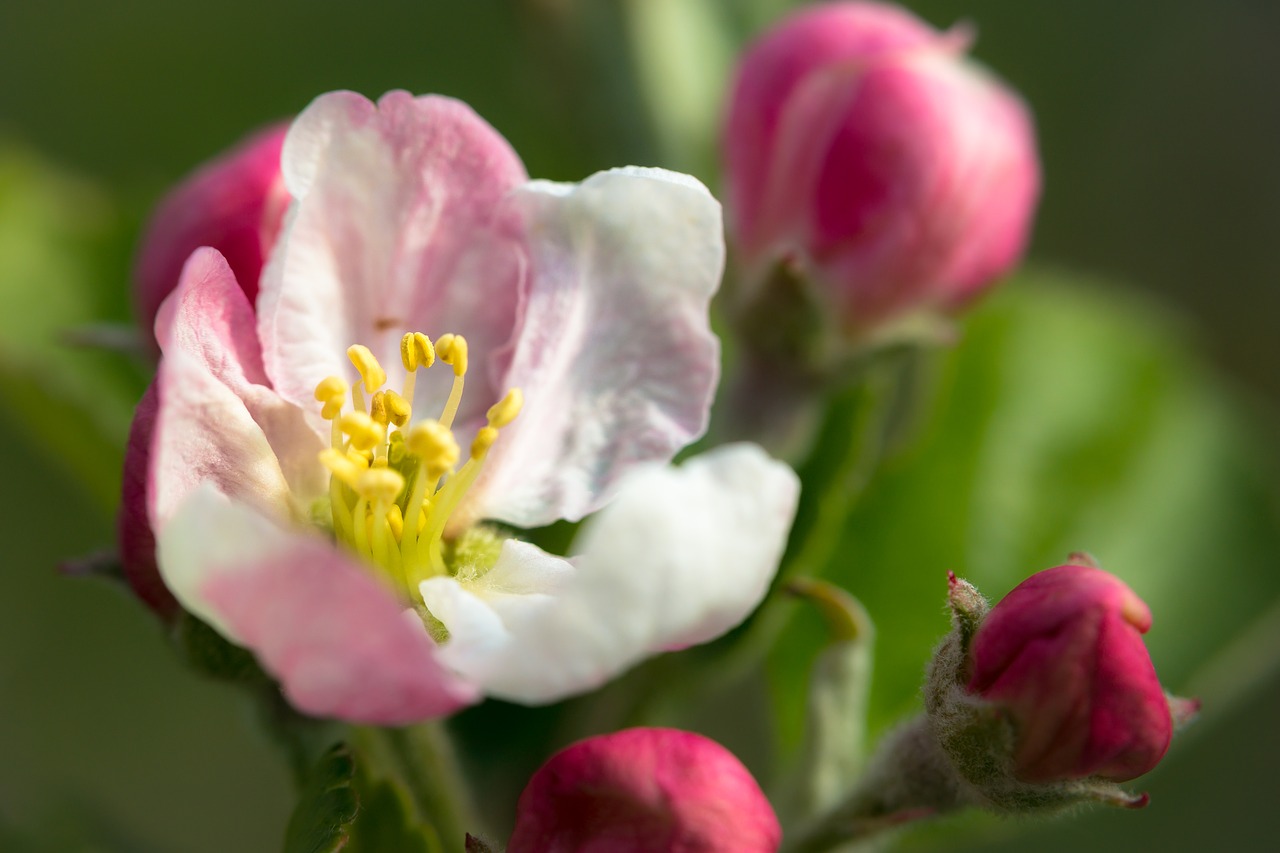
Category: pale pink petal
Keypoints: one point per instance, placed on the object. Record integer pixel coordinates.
(392, 230)
(681, 556)
(614, 354)
(216, 419)
(339, 642)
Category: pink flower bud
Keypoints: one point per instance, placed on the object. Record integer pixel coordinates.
(1063, 653)
(643, 790)
(234, 203)
(861, 147)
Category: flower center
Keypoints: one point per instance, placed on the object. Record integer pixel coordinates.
(395, 481)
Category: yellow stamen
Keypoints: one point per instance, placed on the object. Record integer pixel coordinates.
(482, 442)
(370, 370)
(378, 408)
(505, 410)
(365, 433)
(416, 351)
(342, 466)
(331, 391)
(395, 519)
(452, 350)
(380, 485)
(397, 407)
(434, 444)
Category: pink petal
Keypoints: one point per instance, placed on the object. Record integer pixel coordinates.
(614, 354)
(392, 230)
(216, 420)
(339, 642)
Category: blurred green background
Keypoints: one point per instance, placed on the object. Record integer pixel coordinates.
(1136, 421)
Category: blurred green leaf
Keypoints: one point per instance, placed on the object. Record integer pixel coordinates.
(832, 756)
(327, 806)
(57, 237)
(384, 824)
(343, 806)
(1071, 417)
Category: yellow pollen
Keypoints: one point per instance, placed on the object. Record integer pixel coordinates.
(395, 520)
(370, 370)
(434, 444)
(378, 408)
(505, 410)
(483, 441)
(398, 408)
(342, 466)
(397, 483)
(416, 351)
(452, 350)
(331, 391)
(380, 485)
(365, 433)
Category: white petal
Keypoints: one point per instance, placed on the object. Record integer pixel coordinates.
(615, 354)
(681, 556)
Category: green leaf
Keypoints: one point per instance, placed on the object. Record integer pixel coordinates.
(56, 245)
(327, 807)
(347, 805)
(831, 757)
(1070, 417)
(384, 824)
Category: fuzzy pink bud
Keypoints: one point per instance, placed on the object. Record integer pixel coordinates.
(862, 148)
(642, 790)
(1063, 653)
(234, 203)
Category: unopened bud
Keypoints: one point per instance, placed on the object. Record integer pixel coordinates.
(644, 789)
(866, 153)
(234, 203)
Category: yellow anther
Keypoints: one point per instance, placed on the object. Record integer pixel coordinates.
(378, 408)
(380, 485)
(370, 370)
(331, 391)
(435, 445)
(416, 351)
(342, 466)
(395, 519)
(452, 350)
(378, 462)
(398, 408)
(483, 441)
(365, 433)
(505, 410)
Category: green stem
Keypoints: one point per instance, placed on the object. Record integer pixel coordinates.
(421, 758)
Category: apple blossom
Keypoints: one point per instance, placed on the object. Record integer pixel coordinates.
(864, 153)
(323, 491)
(642, 790)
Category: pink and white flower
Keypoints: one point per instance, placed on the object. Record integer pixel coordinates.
(360, 543)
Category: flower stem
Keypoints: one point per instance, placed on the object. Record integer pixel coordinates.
(422, 760)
